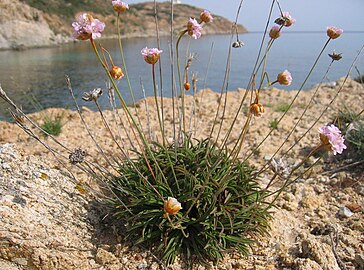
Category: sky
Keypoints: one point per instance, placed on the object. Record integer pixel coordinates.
(311, 15)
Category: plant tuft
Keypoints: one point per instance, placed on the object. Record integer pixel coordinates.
(222, 206)
(52, 126)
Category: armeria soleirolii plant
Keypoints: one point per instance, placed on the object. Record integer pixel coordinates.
(219, 205)
(177, 195)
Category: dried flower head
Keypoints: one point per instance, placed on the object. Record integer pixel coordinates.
(256, 109)
(116, 72)
(120, 6)
(206, 16)
(86, 27)
(238, 44)
(286, 19)
(280, 167)
(194, 28)
(92, 95)
(332, 139)
(275, 32)
(334, 32)
(335, 56)
(284, 78)
(152, 55)
(77, 156)
(171, 206)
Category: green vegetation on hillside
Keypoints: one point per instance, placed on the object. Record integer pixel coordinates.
(68, 8)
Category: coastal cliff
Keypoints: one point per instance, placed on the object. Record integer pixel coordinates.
(29, 23)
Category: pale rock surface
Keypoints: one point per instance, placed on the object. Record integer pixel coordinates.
(22, 26)
(43, 220)
(49, 225)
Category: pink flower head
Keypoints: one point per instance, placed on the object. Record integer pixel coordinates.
(333, 32)
(120, 6)
(288, 20)
(284, 78)
(206, 16)
(332, 139)
(275, 32)
(87, 27)
(194, 28)
(152, 55)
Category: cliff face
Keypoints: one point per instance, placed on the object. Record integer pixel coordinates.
(29, 23)
(24, 26)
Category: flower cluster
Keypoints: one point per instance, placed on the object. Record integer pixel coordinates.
(275, 32)
(285, 20)
(120, 6)
(332, 139)
(334, 32)
(206, 16)
(116, 72)
(171, 206)
(86, 27)
(194, 27)
(256, 109)
(284, 78)
(152, 55)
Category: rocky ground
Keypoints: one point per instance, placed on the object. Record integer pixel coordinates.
(49, 220)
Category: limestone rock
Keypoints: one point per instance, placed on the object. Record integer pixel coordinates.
(319, 252)
(22, 26)
(43, 219)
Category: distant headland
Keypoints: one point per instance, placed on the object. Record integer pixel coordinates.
(27, 23)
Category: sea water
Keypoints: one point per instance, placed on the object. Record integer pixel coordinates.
(35, 78)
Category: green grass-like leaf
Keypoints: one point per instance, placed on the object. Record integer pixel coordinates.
(282, 107)
(52, 126)
(221, 203)
(273, 124)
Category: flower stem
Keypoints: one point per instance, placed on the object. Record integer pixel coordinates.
(294, 99)
(180, 79)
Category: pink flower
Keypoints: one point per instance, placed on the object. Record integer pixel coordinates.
(194, 28)
(275, 32)
(86, 27)
(152, 55)
(332, 139)
(333, 32)
(120, 6)
(284, 78)
(288, 20)
(206, 16)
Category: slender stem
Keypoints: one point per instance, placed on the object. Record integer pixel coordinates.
(180, 79)
(288, 181)
(157, 106)
(125, 68)
(294, 99)
(159, 63)
(131, 118)
(298, 121)
(251, 77)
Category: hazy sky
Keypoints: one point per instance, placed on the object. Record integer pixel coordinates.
(311, 15)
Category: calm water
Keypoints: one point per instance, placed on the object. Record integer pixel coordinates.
(39, 73)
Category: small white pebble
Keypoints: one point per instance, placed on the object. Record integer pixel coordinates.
(345, 212)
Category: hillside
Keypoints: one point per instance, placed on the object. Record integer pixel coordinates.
(35, 23)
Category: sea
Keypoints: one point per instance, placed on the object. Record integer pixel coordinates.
(35, 78)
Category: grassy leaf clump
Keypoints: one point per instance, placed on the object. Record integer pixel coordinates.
(52, 126)
(222, 206)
